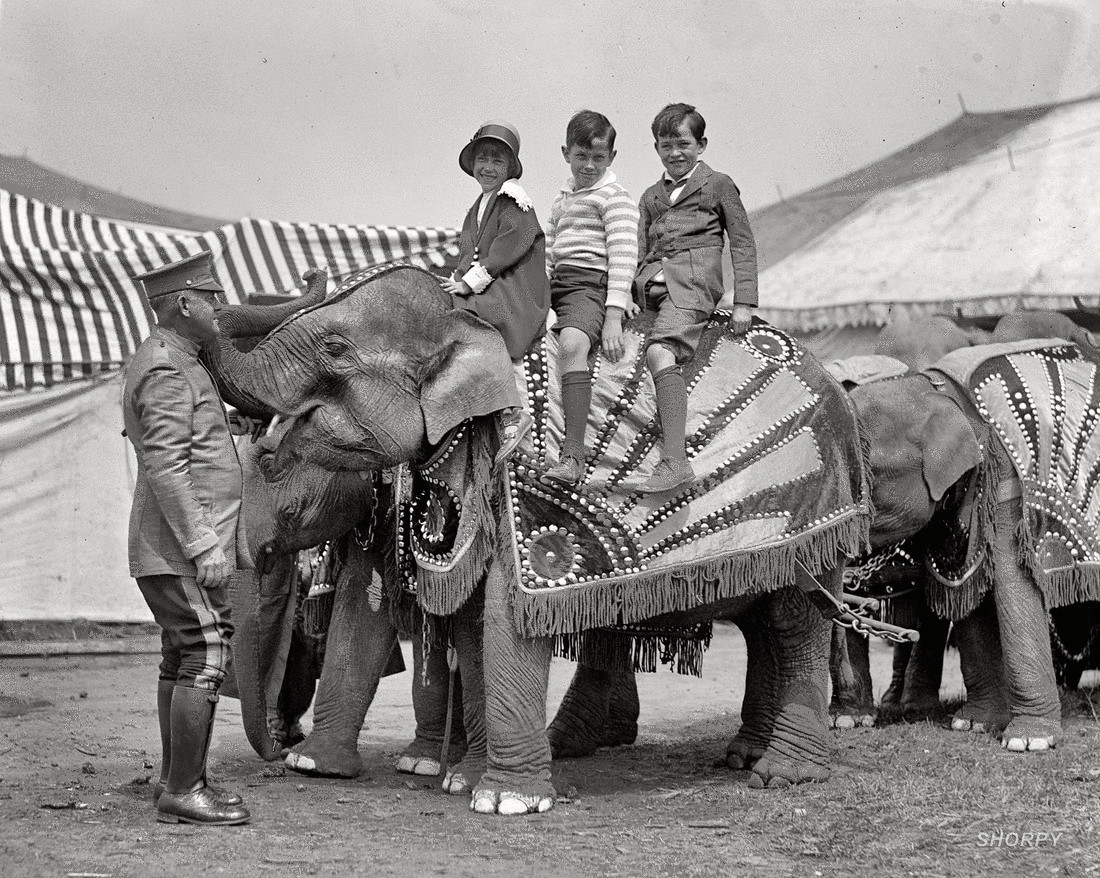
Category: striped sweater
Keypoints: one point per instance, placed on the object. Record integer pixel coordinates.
(596, 228)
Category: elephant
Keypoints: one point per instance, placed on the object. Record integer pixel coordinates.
(385, 372)
(275, 666)
(920, 340)
(917, 668)
(1001, 621)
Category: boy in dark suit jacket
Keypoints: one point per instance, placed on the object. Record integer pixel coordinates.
(684, 220)
(501, 273)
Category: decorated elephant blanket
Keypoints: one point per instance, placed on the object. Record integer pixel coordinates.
(780, 482)
(1042, 399)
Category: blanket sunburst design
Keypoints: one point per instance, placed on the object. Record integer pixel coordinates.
(1043, 400)
(780, 481)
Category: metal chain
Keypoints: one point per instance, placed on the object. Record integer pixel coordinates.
(1057, 641)
(856, 623)
(855, 577)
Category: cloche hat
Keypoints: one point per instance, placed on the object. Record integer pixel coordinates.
(501, 132)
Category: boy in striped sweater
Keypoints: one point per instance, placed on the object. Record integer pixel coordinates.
(591, 259)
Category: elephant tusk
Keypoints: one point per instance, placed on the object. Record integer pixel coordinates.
(275, 421)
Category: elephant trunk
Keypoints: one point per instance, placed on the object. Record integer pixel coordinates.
(247, 321)
(267, 381)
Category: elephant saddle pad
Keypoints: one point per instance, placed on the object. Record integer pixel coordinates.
(1042, 399)
(780, 482)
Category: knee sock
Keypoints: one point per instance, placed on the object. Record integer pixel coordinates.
(671, 395)
(576, 397)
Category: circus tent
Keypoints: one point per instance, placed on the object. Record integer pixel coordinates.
(991, 213)
(70, 317)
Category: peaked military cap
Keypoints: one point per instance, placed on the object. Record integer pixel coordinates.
(193, 273)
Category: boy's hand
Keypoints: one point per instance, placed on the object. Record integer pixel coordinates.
(612, 335)
(740, 315)
(457, 287)
(631, 310)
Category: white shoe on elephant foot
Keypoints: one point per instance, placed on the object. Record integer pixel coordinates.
(509, 804)
(425, 766)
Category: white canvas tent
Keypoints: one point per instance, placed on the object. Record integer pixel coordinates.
(993, 212)
(69, 319)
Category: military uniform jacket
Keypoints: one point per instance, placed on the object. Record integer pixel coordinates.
(685, 241)
(511, 247)
(188, 493)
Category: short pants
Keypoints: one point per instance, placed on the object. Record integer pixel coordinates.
(679, 329)
(577, 296)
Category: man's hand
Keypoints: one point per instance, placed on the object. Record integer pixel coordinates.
(242, 425)
(612, 335)
(213, 568)
(457, 287)
(740, 315)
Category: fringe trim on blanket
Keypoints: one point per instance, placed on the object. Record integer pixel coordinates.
(619, 650)
(442, 593)
(955, 603)
(1060, 588)
(560, 610)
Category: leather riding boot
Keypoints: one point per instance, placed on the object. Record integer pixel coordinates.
(187, 798)
(164, 715)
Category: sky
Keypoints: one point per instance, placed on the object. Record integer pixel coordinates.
(356, 111)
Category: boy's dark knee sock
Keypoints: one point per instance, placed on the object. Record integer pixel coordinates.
(576, 397)
(671, 394)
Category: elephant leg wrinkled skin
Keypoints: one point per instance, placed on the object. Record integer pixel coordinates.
(924, 669)
(360, 642)
(891, 698)
(1036, 710)
(600, 708)
(979, 642)
(431, 687)
(797, 750)
(759, 705)
(853, 701)
(468, 641)
(516, 675)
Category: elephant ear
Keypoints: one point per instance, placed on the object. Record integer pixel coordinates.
(949, 446)
(470, 375)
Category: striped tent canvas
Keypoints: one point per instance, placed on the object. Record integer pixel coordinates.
(68, 306)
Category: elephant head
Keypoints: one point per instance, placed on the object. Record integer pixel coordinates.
(1022, 325)
(921, 443)
(922, 340)
(375, 375)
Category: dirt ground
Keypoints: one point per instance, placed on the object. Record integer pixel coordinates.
(78, 744)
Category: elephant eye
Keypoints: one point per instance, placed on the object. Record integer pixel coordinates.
(265, 461)
(335, 347)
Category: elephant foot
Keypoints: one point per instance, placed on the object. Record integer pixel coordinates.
(316, 761)
(776, 771)
(978, 719)
(1030, 733)
(619, 734)
(513, 797)
(422, 757)
(463, 776)
(851, 720)
(573, 741)
(742, 754)
(797, 752)
(425, 766)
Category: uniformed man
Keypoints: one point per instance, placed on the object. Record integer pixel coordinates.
(186, 534)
